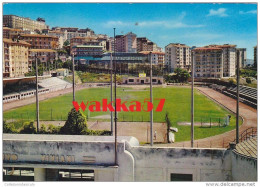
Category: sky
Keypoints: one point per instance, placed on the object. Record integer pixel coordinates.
(193, 24)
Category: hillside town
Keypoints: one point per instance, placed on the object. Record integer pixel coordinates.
(117, 104)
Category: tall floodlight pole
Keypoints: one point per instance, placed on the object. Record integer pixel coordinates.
(192, 99)
(111, 90)
(37, 98)
(73, 76)
(237, 113)
(151, 100)
(115, 97)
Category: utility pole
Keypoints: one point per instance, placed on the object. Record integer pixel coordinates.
(237, 113)
(115, 97)
(37, 99)
(192, 99)
(151, 99)
(111, 90)
(73, 76)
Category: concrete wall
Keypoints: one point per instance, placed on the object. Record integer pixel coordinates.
(243, 168)
(135, 163)
(157, 164)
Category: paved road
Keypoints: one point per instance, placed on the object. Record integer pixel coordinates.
(248, 113)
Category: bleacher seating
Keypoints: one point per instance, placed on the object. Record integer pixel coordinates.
(18, 92)
(247, 94)
(54, 84)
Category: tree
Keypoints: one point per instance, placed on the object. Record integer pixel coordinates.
(28, 128)
(248, 80)
(66, 43)
(75, 124)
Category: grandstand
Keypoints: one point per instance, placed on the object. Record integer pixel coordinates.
(247, 94)
(17, 91)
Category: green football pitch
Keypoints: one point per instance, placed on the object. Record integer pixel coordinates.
(177, 104)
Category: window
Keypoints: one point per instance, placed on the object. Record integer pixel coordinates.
(131, 80)
(181, 177)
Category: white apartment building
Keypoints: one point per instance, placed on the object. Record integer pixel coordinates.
(177, 56)
(215, 61)
(241, 57)
(208, 62)
(17, 22)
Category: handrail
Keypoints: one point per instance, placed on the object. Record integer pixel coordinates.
(246, 134)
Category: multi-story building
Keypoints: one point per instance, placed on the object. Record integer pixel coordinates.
(241, 56)
(18, 22)
(126, 43)
(85, 53)
(44, 56)
(229, 59)
(144, 44)
(177, 56)
(9, 32)
(208, 62)
(73, 32)
(154, 56)
(62, 36)
(38, 41)
(15, 58)
(255, 56)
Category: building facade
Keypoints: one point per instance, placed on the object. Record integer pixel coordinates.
(241, 57)
(126, 43)
(44, 56)
(39, 41)
(177, 56)
(85, 53)
(208, 62)
(144, 44)
(154, 56)
(18, 22)
(255, 56)
(15, 58)
(229, 59)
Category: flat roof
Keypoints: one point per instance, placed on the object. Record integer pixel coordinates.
(69, 138)
(95, 46)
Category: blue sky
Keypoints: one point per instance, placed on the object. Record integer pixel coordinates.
(191, 23)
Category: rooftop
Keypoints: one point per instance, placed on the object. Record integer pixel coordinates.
(20, 42)
(42, 50)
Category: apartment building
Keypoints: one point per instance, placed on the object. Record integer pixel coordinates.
(39, 41)
(43, 55)
(126, 43)
(229, 59)
(85, 53)
(73, 32)
(155, 56)
(208, 62)
(255, 56)
(144, 44)
(15, 58)
(18, 22)
(62, 36)
(177, 56)
(9, 32)
(241, 56)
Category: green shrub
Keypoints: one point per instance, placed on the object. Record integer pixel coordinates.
(9, 128)
(28, 128)
(75, 124)
(248, 80)
(43, 129)
(53, 129)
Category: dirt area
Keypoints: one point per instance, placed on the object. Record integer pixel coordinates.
(140, 130)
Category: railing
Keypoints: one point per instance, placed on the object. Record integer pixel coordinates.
(247, 134)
